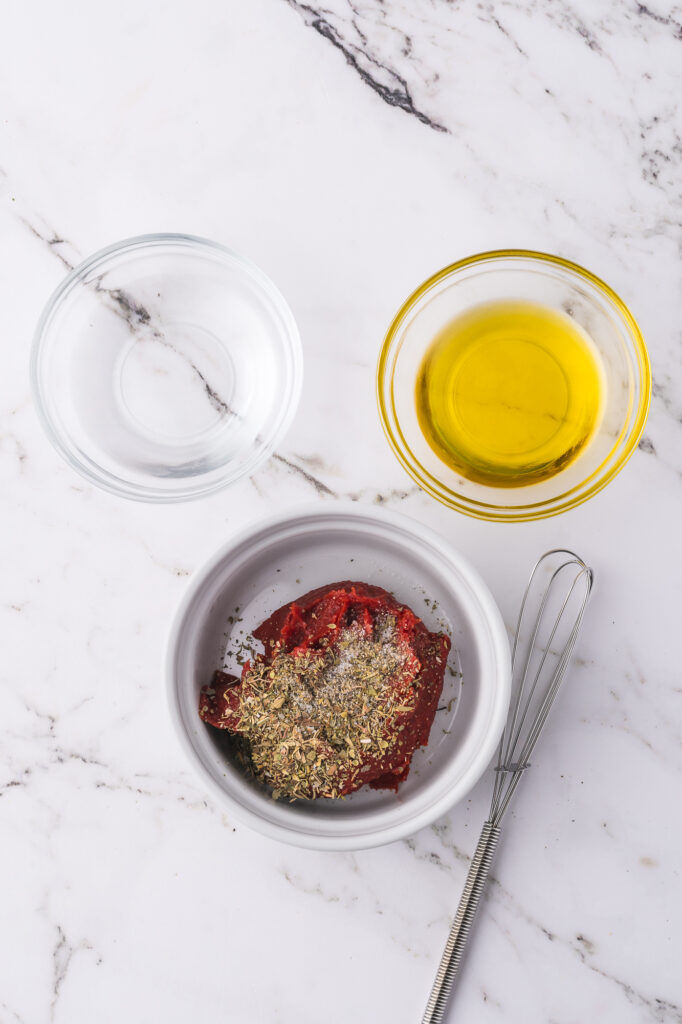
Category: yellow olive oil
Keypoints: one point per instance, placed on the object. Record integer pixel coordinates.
(510, 393)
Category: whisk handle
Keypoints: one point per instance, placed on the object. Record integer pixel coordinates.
(459, 933)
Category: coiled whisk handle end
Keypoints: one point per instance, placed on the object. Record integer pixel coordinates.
(459, 933)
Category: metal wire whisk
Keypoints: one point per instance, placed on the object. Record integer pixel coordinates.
(541, 651)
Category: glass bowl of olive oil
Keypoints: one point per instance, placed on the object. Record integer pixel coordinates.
(513, 385)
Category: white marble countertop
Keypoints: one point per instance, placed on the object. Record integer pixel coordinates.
(350, 152)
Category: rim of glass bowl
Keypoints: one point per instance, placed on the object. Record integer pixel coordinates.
(621, 451)
(87, 467)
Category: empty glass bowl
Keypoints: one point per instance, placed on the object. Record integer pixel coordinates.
(166, 367)
(533, 277)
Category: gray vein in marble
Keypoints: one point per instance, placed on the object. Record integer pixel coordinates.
(256, 487)
(661, 19)
(175, 570)
(507, 34)
(133, 313)
(663, 719)
(15, 1016)
(396, 494)
(348, 900)
(315, 890)
(18, 449)
(102, 776)
(123, 785)
(572, 20)
(647, 445)
(154, 789)
(487, 998)
(139, 319)
(40, 229)
(314, 462)
(314, 482)
(391, 87)
(13, 783)
(51, 239)
(663, 392)
(325, 491)
(63, 955)
(659, 1009)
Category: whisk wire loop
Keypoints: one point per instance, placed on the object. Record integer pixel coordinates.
(534, 690)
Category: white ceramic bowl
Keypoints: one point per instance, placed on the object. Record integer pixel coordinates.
(279, 559)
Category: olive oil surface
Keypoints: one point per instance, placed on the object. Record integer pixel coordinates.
(510, 393)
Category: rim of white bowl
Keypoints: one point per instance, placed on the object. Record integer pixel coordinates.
(431, 810)
(83, 464)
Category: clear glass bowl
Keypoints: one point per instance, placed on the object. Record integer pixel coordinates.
(166, 367)
(535, 277)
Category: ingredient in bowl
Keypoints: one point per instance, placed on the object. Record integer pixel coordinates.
(510, 393)
(344, 694)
